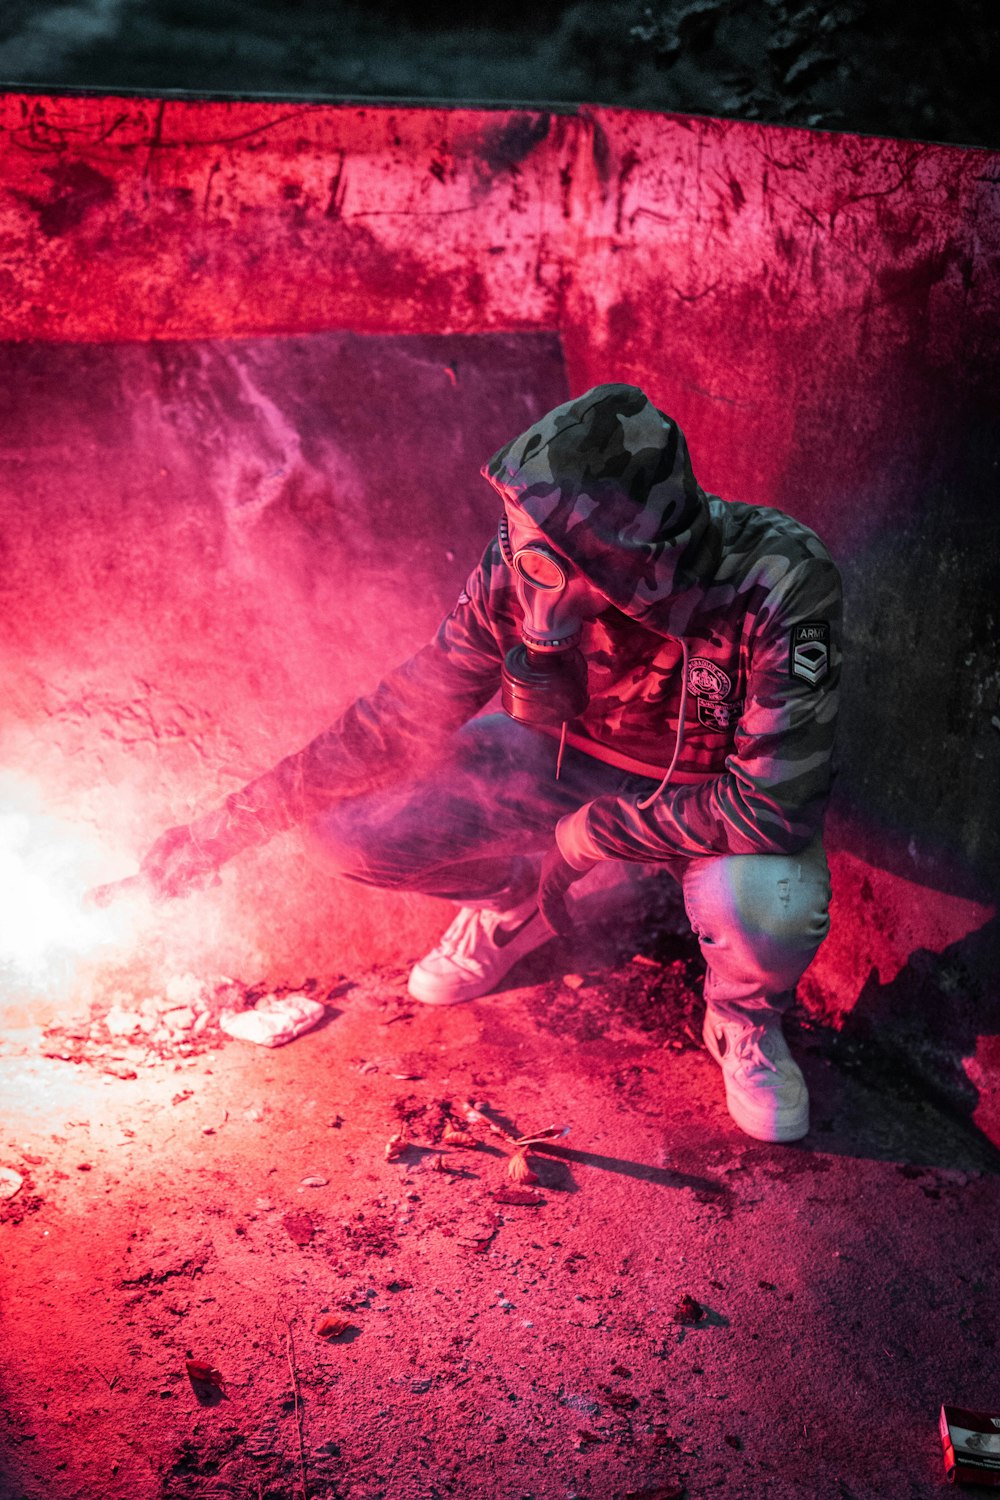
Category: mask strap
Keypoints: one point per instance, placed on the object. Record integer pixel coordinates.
(503, 536)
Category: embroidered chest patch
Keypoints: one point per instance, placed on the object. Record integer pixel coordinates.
(706, 680)
(718, 715)
(809, 653)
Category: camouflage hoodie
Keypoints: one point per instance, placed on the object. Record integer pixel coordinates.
(751, 593)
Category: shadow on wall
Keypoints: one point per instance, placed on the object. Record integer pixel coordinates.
(907, 507)
(941, 1017)
(921, 722)
(208, 550)
(909, 515)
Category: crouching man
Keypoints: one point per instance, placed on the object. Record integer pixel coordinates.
(668, 665)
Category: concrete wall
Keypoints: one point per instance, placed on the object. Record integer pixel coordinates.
(819, 313)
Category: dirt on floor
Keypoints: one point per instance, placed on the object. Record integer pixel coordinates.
(328, 1270)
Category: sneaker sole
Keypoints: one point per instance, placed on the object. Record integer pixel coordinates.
(779, 1131)
(429, 990)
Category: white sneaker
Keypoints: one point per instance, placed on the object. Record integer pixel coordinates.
(476, 952)
(765, 1091)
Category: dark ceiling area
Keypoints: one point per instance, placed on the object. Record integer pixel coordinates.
(879, 67)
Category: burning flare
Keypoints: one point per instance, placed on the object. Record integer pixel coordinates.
(46, 864)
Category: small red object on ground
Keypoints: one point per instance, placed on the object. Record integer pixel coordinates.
(298, 1227)
(518, 1168)
(971, 1441)
(200, 1373)
(330, 1327)
(688, 1310)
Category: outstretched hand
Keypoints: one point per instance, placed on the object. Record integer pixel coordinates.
(178, 863)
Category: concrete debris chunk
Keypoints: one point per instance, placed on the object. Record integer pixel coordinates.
(180, 1020)
(125, 1022)
(10, 1182)
(274, 1020)
(185, 989)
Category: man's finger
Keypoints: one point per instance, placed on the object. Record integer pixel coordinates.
(176, 865)
(100, 897)
(184, 879)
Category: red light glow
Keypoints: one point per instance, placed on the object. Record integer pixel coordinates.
(46, 864)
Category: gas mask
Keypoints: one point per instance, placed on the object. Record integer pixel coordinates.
(544, 678)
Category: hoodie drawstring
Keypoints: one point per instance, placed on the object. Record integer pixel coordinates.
(645, 802)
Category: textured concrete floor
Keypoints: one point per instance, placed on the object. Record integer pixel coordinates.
(847, 1285)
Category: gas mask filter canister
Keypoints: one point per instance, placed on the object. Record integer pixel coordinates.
(544, 677)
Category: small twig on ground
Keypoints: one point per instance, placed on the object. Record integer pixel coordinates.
(109, 1383)
(290, 1356)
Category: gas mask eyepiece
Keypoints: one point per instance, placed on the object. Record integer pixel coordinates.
(544, 678)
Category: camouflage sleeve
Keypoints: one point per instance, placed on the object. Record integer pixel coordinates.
(399, 726)
(773, 793)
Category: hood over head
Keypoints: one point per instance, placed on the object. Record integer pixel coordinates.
(608, 479)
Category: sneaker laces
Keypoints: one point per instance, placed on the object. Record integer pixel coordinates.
(749, 1049)
(460, 941)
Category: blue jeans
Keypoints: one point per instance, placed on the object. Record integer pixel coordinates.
(471, 830)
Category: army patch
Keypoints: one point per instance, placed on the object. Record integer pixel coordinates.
(706, 680)
(809, 655)
(718, 715)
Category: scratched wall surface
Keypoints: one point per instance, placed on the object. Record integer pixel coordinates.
(128, 220)
(819, 311)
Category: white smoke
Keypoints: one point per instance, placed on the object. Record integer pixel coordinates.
(46, 865)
